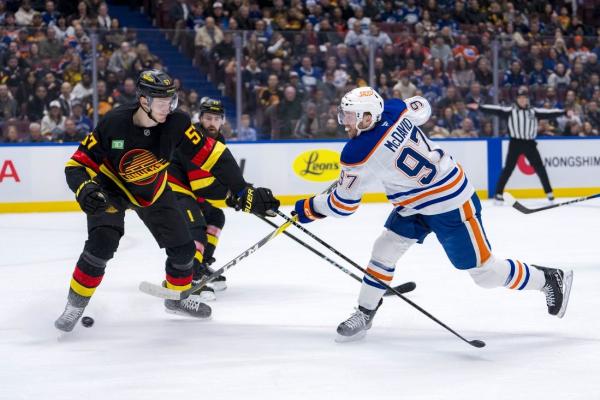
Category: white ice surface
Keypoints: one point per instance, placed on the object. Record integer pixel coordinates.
(272, 332)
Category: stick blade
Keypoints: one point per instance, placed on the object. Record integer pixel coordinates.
(404, 288)
(477, 343)
(509, 200)
(159, 291)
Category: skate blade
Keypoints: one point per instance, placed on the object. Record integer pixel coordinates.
(184, 314)
(207, 296)
(568, 281)
(353, 338)
(64, 329)
(217, 286)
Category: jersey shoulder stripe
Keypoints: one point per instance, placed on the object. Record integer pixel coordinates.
(359, 149)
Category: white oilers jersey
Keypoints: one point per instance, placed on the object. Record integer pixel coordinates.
(417, 175)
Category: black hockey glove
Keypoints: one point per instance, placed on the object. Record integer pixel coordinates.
(232, 201)
(91, 198)
(259, 201)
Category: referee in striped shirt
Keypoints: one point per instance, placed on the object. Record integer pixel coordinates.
(522, 129)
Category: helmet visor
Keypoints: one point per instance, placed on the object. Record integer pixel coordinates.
(346, 117)
(164, 104)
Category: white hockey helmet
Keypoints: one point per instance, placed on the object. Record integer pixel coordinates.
(356, 103)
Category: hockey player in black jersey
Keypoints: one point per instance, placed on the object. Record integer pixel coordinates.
(193, 188)
(122, 165)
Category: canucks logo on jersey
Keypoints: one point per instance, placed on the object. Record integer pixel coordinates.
(140, 167)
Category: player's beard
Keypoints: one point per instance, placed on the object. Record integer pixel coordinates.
(212, 131)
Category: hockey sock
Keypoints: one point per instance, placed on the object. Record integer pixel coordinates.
(512, 274)
(179, 276)
(87, 276)
(522, 276)
(387, 250)
(212, 236)
(371, 291)
(199, 254)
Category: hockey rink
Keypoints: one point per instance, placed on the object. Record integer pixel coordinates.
(272, 331)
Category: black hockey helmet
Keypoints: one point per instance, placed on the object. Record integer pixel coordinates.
(212, 106)
(155, 83)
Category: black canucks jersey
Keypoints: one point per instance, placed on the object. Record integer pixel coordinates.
(131, 161)
(185, 177)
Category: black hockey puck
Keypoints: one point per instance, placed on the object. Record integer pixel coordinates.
(87, 322)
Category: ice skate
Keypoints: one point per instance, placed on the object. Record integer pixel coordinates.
(206, 293)
(217, 285)
(69, 318)
(499, 199)
(357, 325)
(191, 307)
(557, 290)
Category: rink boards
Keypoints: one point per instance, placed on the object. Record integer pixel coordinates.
(32, 176)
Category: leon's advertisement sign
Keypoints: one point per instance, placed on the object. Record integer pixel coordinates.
(320, 165)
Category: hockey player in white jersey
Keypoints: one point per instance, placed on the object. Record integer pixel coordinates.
(430, 192)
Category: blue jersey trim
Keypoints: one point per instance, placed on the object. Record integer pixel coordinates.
(357, 149)
(440, 199)
(343, 200)
(343, 214)
(413, 191)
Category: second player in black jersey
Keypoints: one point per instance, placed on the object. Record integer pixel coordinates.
(194, 187)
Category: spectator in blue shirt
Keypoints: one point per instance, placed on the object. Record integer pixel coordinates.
(538, 76)
(431, 91)
(410, 13)
(389, 14)
(50, 15)
(514, 76)
(308, 74)
(246, 132)
(82, 122)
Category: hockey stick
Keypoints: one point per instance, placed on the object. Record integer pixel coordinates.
(511, 201)
(293, 220)
(404, 288)
(165, 293)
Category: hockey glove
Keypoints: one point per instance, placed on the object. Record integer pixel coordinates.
(91, 198)
(232, 201)
(258, 201)
(306, 211)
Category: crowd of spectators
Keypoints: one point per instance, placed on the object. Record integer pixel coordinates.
(300, 56)
(46, 68)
